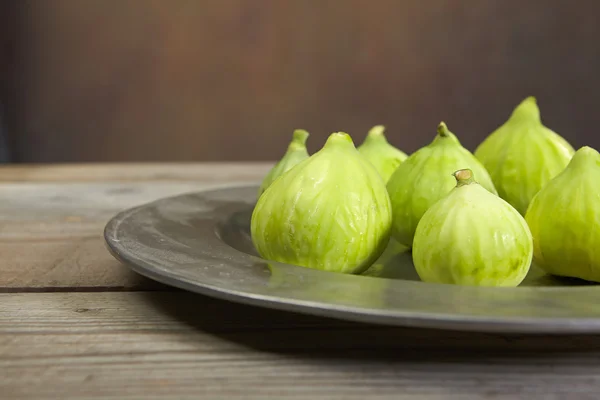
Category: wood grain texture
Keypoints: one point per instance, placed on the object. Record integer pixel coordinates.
(166, 344)
(157, 345)
(51, 228)
(205, 173)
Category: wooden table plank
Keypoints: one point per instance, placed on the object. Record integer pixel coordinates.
(178, 345)
(212, 172)
(51, 232)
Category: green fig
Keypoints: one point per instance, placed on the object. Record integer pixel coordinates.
(296, 152)
(472, 237)
(330, 212)
(380, 153)
(564, 218)
(425, 177)
(522, 155)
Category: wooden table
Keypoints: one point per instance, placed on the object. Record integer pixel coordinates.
(76, 324)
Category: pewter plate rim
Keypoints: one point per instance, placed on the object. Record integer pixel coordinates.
(158, 258)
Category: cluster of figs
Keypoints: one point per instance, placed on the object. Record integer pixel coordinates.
(476, 219)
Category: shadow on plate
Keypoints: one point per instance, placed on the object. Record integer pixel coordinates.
(394, 263)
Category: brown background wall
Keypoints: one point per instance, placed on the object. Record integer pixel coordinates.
(230, 79)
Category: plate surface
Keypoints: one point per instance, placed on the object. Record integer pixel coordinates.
(201, 242)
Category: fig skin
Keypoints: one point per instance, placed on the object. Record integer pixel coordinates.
(522, 155)
(425, 177)
(564, 218)
(379, 152)
(330, 212)
(472, 237)
(296, 152)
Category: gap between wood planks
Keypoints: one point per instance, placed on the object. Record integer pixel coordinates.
(88, 289)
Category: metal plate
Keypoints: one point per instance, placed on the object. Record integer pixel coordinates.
(201, 242)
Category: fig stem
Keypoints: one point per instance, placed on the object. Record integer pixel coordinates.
(464, 177)
(585, 156)
(527, 110)
(376, 134)
(377, 130)
(442, 129)
(339, 138)
(300, 136)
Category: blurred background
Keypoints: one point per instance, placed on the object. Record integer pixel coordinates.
(208, 80)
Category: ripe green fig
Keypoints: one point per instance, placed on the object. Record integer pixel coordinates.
(296, 152)
(522, 155)
(472, 237)
(330, 212)
(425, 177)
(380, 153)
(564, 218)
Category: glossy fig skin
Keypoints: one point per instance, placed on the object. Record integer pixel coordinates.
(425, 177)
(330, 212)
(384, 157)
(296, 152)
(522, 155)
(472, 237)
(564, 218)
